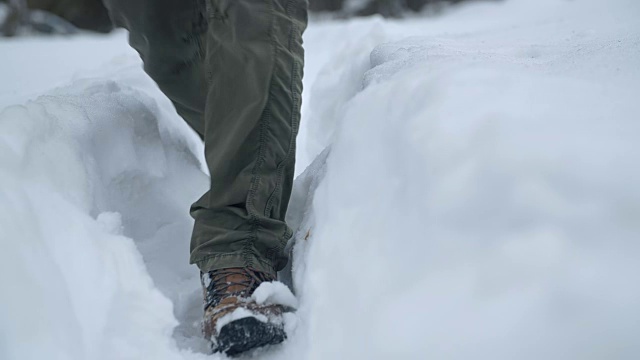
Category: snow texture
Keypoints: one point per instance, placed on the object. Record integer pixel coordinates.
(274, 293)
(467, 189)
(237, 314)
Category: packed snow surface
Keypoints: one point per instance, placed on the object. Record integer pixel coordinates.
(468, 189)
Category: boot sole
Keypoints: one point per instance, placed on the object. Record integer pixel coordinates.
(246, 334)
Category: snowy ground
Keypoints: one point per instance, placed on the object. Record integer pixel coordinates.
(475, 195)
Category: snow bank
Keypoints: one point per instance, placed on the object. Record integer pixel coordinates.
(480, 199)
(84, 168)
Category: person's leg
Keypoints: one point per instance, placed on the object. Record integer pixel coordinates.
(243, 98)
(254, 69)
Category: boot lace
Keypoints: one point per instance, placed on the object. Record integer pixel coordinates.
(218, 284)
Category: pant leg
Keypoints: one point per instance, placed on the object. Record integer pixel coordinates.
(254, 67)
(169, 36)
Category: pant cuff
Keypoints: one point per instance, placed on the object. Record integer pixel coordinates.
(234, 260)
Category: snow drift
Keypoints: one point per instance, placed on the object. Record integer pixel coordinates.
(481, 196)
(81, 167)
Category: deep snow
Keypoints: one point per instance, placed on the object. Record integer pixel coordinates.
(469, 191)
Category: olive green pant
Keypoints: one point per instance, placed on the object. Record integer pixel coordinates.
(233, 69)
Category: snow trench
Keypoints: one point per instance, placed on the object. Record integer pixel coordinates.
(468, 190)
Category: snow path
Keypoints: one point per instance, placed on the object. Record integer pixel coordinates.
(469, 191)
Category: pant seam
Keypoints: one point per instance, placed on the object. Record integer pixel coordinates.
(294, 104)
(264, 123)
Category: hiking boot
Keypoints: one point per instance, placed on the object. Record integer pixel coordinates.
(233, 321)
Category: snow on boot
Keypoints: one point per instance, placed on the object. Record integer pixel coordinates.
(233, 321)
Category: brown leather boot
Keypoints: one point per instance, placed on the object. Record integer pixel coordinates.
(233, 321)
